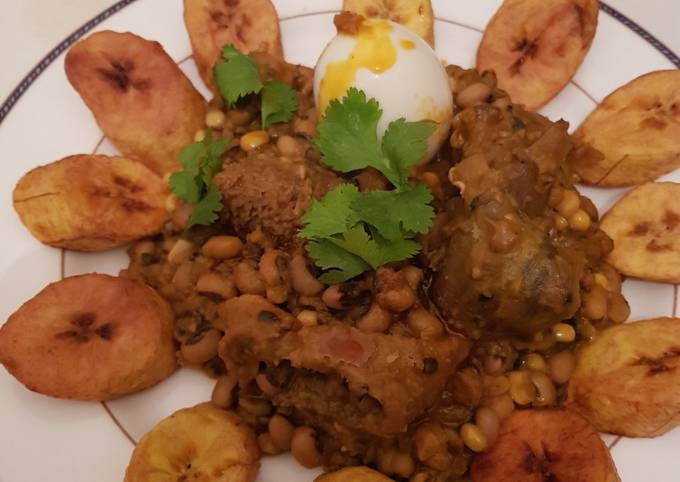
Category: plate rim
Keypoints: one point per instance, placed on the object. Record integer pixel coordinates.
(16, 94)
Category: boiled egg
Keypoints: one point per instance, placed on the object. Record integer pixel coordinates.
(392, 65)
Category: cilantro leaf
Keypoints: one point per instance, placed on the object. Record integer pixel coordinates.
(347, 134)
(278, 103)
(200, 162)
(183, 183)
(236, 75)
(404, 144)
(396, 214)
(212, 163)
(332, 214)
(342, 265)
(349, 232)
(206, 210)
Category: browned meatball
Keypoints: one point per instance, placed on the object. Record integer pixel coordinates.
(263, 190)
(501, 262)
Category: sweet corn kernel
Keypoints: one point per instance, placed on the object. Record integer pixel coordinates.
(215, 119)
(199, 136)
(569, 203)
(536, 362)
(171, 203)
(473, 437)
(307, 317)
(563, 332)
(601, 280)
(561, 223)
(579, 221)
(253, 140)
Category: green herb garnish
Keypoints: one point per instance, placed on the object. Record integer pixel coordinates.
(193, 184)
(238, 76)
(349, 232)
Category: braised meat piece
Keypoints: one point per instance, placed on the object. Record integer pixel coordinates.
(502, 260)
(339, 377)
(263, 190)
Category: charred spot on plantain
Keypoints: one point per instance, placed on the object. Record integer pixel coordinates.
(655, 246)
(135, 205)
(127, 184)
(84, 320)
(105, 332)
(659, 364)
(83, 332)
(671, 219)
(653, 123)
(528, 49)
(640, 229)
(120, 76)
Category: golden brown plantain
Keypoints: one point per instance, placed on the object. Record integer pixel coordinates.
(627, 380)
(645, 227)
(353, 474)
(637, 130)
(415, 15)
(90, 337)
(247, 24)
(91, 203)
(197, 444)
(535, 46)
(140, 98)
(542, 445)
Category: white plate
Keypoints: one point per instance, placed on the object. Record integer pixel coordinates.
(45, 439)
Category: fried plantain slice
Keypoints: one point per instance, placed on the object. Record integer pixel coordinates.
(627, 379)
(536, 46)
(415, 15)
(198, 444)
(247, 24)
(353, 474)
(637, 130)
(90, 337)
(140, 98)
(91, 202)
(542, 445)
(645, 227)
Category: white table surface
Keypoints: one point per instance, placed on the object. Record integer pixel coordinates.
(30, 28)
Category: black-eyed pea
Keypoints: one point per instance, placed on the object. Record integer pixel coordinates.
(376, 320)
(266, 444)
(488, 422)
(248, 280)
(618, 309)
(222, 247)
(522, 389)
(303, 280)
(332, 297)
(222, 394)
(281, 431)
(473, 94)
(214, 284)
(203, 349)
(562, 365)
(181, 251)
(546, 395)
(304, 449)
(424, 324)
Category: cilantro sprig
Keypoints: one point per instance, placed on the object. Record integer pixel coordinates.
(200, 162)
(238, 76)
(349, 232)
